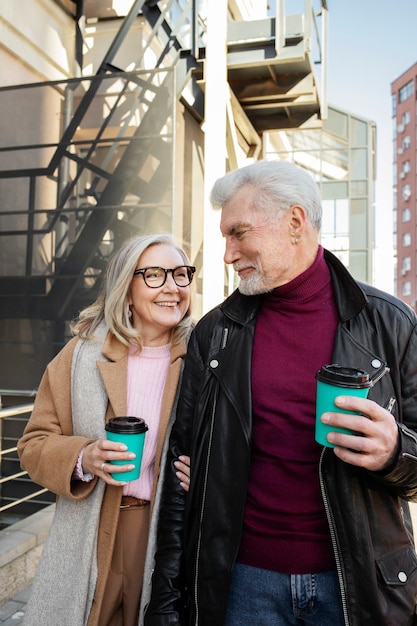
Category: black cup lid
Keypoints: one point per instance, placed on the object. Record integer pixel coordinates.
(126, 425)
(343, 376)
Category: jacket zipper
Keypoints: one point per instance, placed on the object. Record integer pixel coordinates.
(197, 558)
(407, 455)
(223, 343)
(333, 539)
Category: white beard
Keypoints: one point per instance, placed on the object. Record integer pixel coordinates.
(253, 286)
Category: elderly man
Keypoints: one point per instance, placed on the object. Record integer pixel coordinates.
(277, 529)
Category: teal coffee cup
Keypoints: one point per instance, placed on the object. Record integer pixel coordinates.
(332, 381)
(131, 431)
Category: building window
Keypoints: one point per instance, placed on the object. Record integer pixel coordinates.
(406, 142)
(406, 91)
(406, 118)
(407, 288)
(406, 215)
(406, 239)
(405, 168)
(406, 266)
(406, 192)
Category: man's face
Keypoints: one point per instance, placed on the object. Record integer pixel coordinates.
(259, 248)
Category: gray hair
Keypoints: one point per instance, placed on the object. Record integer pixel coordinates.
(279, 186)
(112, 304)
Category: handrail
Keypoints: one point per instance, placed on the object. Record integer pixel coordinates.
(12, 412)
(12, 476)
(18, 392)
(25, 499)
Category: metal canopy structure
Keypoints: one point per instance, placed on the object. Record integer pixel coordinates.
(272, 73)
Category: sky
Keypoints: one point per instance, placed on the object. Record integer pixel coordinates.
(370, 44)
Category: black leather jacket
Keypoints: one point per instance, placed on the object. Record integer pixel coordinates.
(367, 512)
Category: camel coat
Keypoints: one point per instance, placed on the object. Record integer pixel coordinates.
(49, 451)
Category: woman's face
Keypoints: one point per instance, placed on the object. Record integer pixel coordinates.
(156, 311)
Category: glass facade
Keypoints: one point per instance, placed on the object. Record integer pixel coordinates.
(341, 158)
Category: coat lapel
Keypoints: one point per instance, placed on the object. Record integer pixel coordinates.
(114, 375)
(167, 405)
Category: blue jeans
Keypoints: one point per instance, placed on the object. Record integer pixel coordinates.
(265, 598)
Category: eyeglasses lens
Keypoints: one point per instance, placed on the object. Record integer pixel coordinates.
(156, 276)
(182, 276)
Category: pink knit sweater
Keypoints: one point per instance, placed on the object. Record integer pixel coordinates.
(146, 375)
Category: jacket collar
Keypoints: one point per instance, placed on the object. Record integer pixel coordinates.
(349, 296)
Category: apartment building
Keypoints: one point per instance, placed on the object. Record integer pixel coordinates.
(404, 90)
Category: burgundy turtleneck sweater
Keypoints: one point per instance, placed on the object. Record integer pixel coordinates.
(285, 525)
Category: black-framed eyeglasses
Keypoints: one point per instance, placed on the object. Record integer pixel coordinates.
(155, 277)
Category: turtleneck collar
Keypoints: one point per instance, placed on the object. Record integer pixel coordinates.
(304, 286)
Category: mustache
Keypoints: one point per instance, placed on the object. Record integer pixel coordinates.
(237, 267)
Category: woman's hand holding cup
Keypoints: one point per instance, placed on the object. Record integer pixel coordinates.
(97, 459)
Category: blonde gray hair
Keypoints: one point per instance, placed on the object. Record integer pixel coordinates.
(278, 185)
(112, 304)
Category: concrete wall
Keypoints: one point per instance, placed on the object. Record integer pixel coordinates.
(40, 36)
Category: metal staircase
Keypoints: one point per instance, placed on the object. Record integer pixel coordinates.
(111, 171)
(107, 189)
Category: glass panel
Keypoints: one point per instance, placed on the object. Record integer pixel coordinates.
(358, 188)
(328, 224)
(358, 132)
(335, 164)
(359, 264)
(359, 166)
(337, 123)
(394, 104)
(406, 288)
(335, 190)
(358, 224)
(335, 225)
(342, 217)
(406, 215)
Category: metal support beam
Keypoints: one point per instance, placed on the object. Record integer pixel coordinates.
(279, 26)
(216, 96)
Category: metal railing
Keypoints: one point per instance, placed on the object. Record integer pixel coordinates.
(14, 411)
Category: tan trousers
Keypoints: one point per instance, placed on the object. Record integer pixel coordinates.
(124, 584)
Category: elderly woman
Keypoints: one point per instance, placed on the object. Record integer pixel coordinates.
(126, 359)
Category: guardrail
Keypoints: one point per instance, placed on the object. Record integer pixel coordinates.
(14, 411)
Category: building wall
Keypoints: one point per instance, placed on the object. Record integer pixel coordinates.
(41, 39)
(404, 100)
